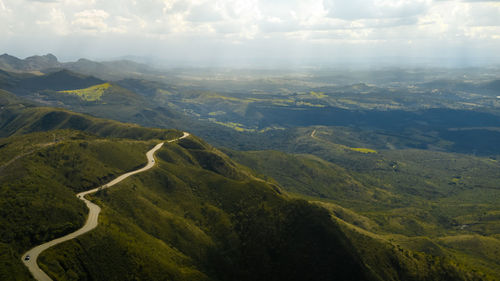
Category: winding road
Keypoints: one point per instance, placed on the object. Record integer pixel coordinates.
(91, 223)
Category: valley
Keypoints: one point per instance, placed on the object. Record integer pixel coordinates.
(386, 174)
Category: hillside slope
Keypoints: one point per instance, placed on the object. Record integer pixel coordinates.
(197, 216)
(20, 117)
(90, 95)
(38, 182)
(226, 198)
(441, 204)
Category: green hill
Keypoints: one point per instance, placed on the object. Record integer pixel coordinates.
(21, 117)
(450, 201)
(57, 81)
(217, 241)
(90, 95)
(38, 181)
(196, 216)
(93, 93)
(303, 174)
(194, 221)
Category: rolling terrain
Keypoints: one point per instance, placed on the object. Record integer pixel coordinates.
(108, 70)
(418, 200)
(425, 115)
(384, 180)
(197, 216)
(30, 258)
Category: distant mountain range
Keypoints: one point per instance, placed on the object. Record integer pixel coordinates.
(33, 63)
(108, 70)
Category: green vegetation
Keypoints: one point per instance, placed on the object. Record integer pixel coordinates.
(480, 251)
(19, 117)
(196, 217)
(40, 172)
(45, 119)
(180, 217)
(93, 93)
(396, 190)
(362, 150)
(236, 126)
(318, 95)
(39, 179)
(405, 197)
(303, 174)
(412, 265)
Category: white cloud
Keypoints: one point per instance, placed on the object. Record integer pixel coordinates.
(44, 1)
(78, 2)
(365, 9)
(462, 21)
(96, 14)
(56, 21)
(278, 24)
(205, 12)
(91, 20)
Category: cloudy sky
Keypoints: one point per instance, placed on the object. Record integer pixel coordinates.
(259, 31)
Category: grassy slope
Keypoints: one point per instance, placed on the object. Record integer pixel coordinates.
(55, 169)
(37, 189)
(92, 93)
(242, 227)
(44, 169)
(120, 104)
(196, 217)
(92, 96)
(380, 254)
(304, 174)
(20, 117)
(404, 196)
(60, 80)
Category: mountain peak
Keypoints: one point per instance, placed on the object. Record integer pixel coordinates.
(85, 60)
(48, 58)
(7, 57)
(32, 63)
(10, 63)
(51, 56)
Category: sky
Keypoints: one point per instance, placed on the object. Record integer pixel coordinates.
(256, 32)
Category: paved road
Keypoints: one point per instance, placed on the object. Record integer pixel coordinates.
(91, 223)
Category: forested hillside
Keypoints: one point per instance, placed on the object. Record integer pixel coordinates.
(197, 216)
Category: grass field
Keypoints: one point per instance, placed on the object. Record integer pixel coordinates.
(93, 93)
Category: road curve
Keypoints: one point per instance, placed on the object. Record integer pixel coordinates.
(91, 222)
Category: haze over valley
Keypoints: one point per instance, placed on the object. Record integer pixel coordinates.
(243, 140)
